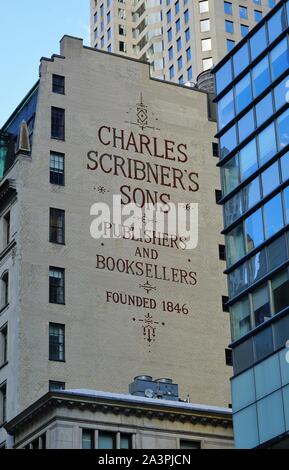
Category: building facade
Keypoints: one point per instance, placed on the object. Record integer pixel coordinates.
(79, 311)
(252, 86)
(180, 38)
(86, 419)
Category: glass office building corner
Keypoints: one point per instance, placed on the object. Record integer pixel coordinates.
(252, 85)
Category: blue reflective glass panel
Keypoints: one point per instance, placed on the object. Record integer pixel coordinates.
(283, 129)
(246, 125)
(243, 91)
(235, 245)
(254, 230)
(251, 194)
(267, 144)
(286, 203)
(258, 42)
(277, 24)
(270, 179)
(285, 166)
(241, 59)
(279, 59)
(233, 209)
(281, 93)
(248, 160)
(226, 109)
(230, 175)
(264, 109)
(228, 142)
(273, 215)
(261, 76)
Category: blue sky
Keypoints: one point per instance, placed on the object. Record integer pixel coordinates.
(30, 29)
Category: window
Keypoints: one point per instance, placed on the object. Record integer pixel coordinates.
(233, 209)
(218, 195)
(206, 45)
(57, 226)
(205, 25)
(243, 93)
(246, 125)
(6, 229)
(230, 44)
(270, 179)
(179, 44)
(258, 15)
(88, 441)
(243, 11)
(244, 30)
(228, 8)
(171, 53)
(251, 194)
(56, 286)
(215, 149)
(277, 24)
(248, 159)
(57, 123)
(224, 76)
(228, 141)
(279, 59)
(56, 342)
(3, 403)
(180, 63)
(261, 76)
(57, 168)
(186, 16)
(229, 26)
(3, 345)
(240, 318)
(225, 300)
(204, 6)
(285, 166)
(106, 440)
(188, 34)
(58, 84)
(254, 230)
(178, 26)
(207, 63)
(241, 59)
(170, 34)
(172, 72)
(230, 174)
(282, 129)
(273, 215)
(189, 444)
(280, 291)
(189, 54)
(229, 357)
(190, 74)
(235, 246)
(264, 109)
(258, 42)
(177, 7)
(267, 144)
(4, 289)
(56, 386)
(261, 305)
(169, 16)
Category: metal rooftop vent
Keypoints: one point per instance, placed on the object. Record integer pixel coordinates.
(145, 386)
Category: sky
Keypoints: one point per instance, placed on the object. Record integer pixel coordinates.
(29, 30)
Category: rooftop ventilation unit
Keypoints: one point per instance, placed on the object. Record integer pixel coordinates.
(145, 386)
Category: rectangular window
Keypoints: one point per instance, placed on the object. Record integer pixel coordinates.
(189, 444)
(3, 403)
(280, 291)
(88, 439)
(6, 229)
(56, 386)
(215, 147)
(254, 230)
(58, 84)
(229, 357)
(57, 226)
(56, 286)
(240, 318)
(3, 345)
(228, 8)
(106, 440)
(261, 305)
(56, 342)
(204, 6)
(206, 44)
(125, 441)
(229, 26)
(57, 168)
(235, 248)
(273, 215)
(225, 300)
(205, 25)
(243, 12)
(57, 123)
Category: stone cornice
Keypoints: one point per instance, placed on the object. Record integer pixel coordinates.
(54, 400)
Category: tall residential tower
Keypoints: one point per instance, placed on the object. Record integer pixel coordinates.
(180, 38)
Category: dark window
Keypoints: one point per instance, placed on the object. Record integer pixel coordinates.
(57, 168)
(225, 300)
(56, 286)
(218, 194)
(189, 444)
(56, 386)
(125, 441)
(4, 290)
(222, 252)
(56, 342)
(57, 123)
(215, 149)
(243, 356)
(3, 345)
(263, 343)
(229, 357)
(88, 441)
(57, 226)
(6, 229)
(3, 400)
(58, 84)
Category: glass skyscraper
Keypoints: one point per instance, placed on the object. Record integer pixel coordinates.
(252, 84)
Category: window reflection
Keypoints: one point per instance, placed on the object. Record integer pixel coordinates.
(243, 92)
(273, 216)
(235, 246)
(283, 129)
(280, 291)
(251, 194)
(258, 42)
(226, 109)
(267, 144)
(257, 266)
(261, 305)
(261, 76)
(254, 230)
(233, 209)
(270, 179)
(277, 24)
(240, 318)
(228, 142)
(246, 125)
(248, 160)
(241, 59)
(279, 59)
(230, 175)
(264, 109)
